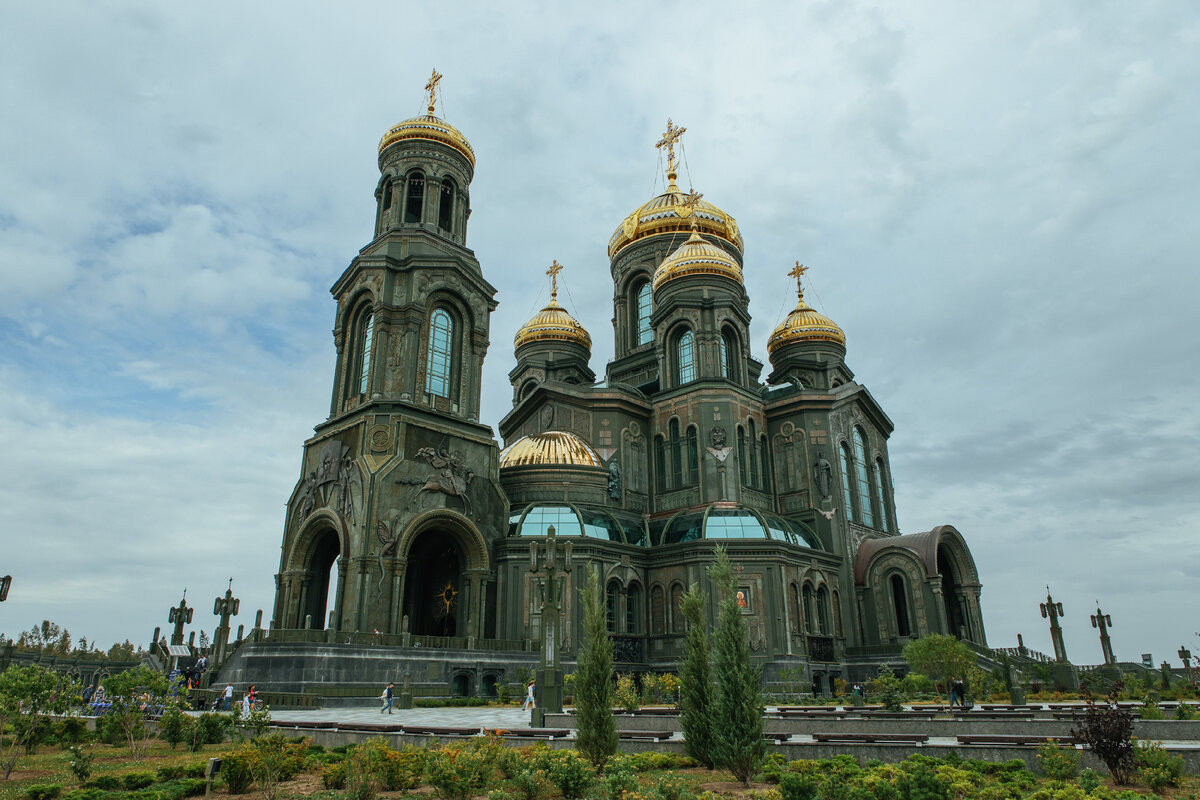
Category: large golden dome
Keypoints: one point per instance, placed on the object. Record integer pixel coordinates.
(671, 213)
(552, 448)
(553, 323)
(804, 324)
(429, 127)
(697, 257)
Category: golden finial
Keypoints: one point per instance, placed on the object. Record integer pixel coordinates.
(555, 268)
(690, 201)
(431, 87)
(670, 137)
(798, 273)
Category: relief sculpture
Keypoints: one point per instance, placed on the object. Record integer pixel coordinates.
(450, 477)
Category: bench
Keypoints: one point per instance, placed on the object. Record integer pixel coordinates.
(1019, 740)
(1008, 707)
(530, 733)
(778, 738)
(1020, 716)
(644, 736)
(871, 738)
(289, 724)
(427, 730)
(812, 714)
(651, 712)
(373, 727)
(899, 714)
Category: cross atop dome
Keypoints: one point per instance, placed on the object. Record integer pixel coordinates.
(797, 272)
(431, 87)
(555, 268)
(690, 201)
(670, 137)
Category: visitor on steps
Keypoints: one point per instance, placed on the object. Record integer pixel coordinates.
(528, 704)
(386, 697)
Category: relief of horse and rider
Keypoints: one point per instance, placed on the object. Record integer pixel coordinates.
(450, 476)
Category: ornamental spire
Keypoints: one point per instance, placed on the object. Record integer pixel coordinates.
(555, 268)
(690, 201)
(431, 87)
(797, 272)
(668, 140)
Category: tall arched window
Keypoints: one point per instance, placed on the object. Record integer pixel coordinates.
(864, 483)
(658, 610)
(693, 456)
(794, 608)
(676, 455)
(610, 605)
(724, 351)
(900, 603)
(677, 621)
(809, 623)
(645, 301)
(414, 198)
(742, 456)
(633, 609)
(660, 464)
(362, 365)
(880, 497)
(439, 362)
(847, 477)
(823, 611)
(446, 205)
(754, 476)
(387, 195)
(729, 352)
(764, 463)
(687, 358)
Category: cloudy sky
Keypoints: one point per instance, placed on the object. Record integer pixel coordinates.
(998, 203)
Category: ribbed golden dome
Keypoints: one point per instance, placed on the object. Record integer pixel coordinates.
(549, 448)
(805, 324)
(430, 128)
(553, 323)
(697, 257)
(670, 212)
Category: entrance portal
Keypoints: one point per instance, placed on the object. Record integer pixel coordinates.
(952, 595)
(321, 560)
(434, 593)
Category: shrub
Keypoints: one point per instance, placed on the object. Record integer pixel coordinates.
(333, 776)
(1057, 762)
(80, 763)
(571, 775)
(532, 784)
(674, 787)
(887, 689)
(1088, 780)
(456, 773)
(238, 772)
(138, 780)
(921, 784)
(171, 726)
(626, 694)
(1157, 768)
(83, 794)
(72, 730)
(213, 728)
(1108, 731)
(43, 791)
(793, 786)
(1150, 710)
(1185, 711)
(107, 782)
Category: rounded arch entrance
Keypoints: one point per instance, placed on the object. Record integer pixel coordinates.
(445, 558)
(312, 566)
(960, 584)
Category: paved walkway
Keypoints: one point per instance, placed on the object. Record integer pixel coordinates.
(479, 716)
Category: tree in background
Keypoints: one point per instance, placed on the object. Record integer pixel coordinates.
(738, 743)
(131, 693)
(596, 737)
(695, 680)
(27, 696)
(943, 658)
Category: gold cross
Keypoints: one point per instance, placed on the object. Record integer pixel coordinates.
(555, 268)
(668, 141)
(431, 87)
(690, 201)
(797, 273)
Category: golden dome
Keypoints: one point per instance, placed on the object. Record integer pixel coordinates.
(804, 324)
(697, 257)
(430, 128)
(553, 323)
(549, 448)
(671, 213)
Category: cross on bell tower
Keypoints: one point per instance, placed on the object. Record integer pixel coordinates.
(797, 272)
(431, 87)
(555, 268)
(668, 140)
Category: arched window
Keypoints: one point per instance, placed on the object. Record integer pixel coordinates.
(446, 205)
(794, 608)
(439, 362)
(823, 611)
(900, 603)
(809, 623)
(387, 195)
(754, 476)
(645, 301)
(693, 456)
(864, 483)
(847, 476)
(741, 445)
(610, 605)
(724, 350)
(687, 358)
(729, 352)
(658, 610)
(363, 339)
(837, 615)
(676, 455)
(660, 464)
(764, 463)
(677, 620)
(414, 198)
(633, 609)
(880, 497)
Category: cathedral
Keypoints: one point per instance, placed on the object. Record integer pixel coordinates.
(410, 527)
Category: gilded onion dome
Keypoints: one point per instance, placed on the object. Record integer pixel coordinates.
(553, 323)
(697, 257)
(429, 127)
(804, 324)
(552, 448)
(672, 212)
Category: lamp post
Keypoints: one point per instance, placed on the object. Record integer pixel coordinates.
(549, 690)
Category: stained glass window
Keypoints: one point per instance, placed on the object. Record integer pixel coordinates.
(441, 334)
(676, 455)
(724, 357)
(645, 298)
(847, 476)
(877, 475)
(864, 484)
(366, 333)
(687, 358)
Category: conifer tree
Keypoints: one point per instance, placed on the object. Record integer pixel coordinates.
(695, 680)
(738, 743)
(596, 734)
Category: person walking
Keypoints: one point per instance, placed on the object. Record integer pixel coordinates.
(528, 704)
(227, 696)
(387, 698)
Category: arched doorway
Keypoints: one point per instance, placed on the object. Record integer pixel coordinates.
(951, 595)
(433, 596)
(322, 560)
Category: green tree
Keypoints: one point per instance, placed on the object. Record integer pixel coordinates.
(596, 738)
(943, 658)
(130, 693)
(27, 696)
(738, 743)
(695, 680)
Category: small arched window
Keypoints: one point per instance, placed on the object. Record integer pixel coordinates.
(446, 205)
(645, 304)
(676, 454)
(633, 609)
(610, 605)
(366, 334)
(754, 476)
(687, 358)
(439, 362)
(847, 476)
(677, 620)
(414, 203)
(864, 484)
(693, 455)
(742, 456)
(900, 603)
(660, 464)
(387, 195)
(880, 497)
